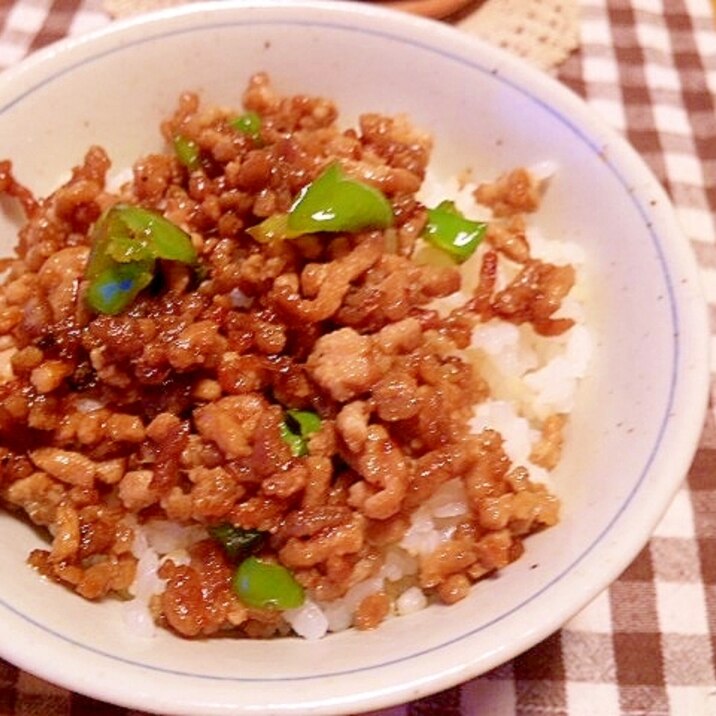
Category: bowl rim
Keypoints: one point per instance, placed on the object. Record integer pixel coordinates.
(39, 69)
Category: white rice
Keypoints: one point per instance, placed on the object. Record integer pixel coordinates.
(154, 542)
(240, 300)
(118, 179)
(410, 601)
(308, 621)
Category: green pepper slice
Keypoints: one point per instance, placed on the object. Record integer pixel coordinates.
(126, 242)
(187, 151)
(335, 202)
(236, 541)
(272, 229)
(164, 239)
(248, 123)
(267, 585)
(448, 230)
(297, 428)
(114, 288)
(331, 202)
(126, 249)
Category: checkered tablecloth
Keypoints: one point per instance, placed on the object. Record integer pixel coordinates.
(647, 645)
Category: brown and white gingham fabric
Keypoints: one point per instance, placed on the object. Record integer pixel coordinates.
(647, 645)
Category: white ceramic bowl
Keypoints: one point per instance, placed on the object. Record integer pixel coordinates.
(638, 416)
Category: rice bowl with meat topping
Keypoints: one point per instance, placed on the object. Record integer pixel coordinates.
(279, 380)
(632, 424)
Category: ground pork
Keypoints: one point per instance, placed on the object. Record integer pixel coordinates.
(183, 406)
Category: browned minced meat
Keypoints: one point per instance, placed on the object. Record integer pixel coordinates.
(515, 192)
(533, 296)
(173, 408)
(548, 450)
